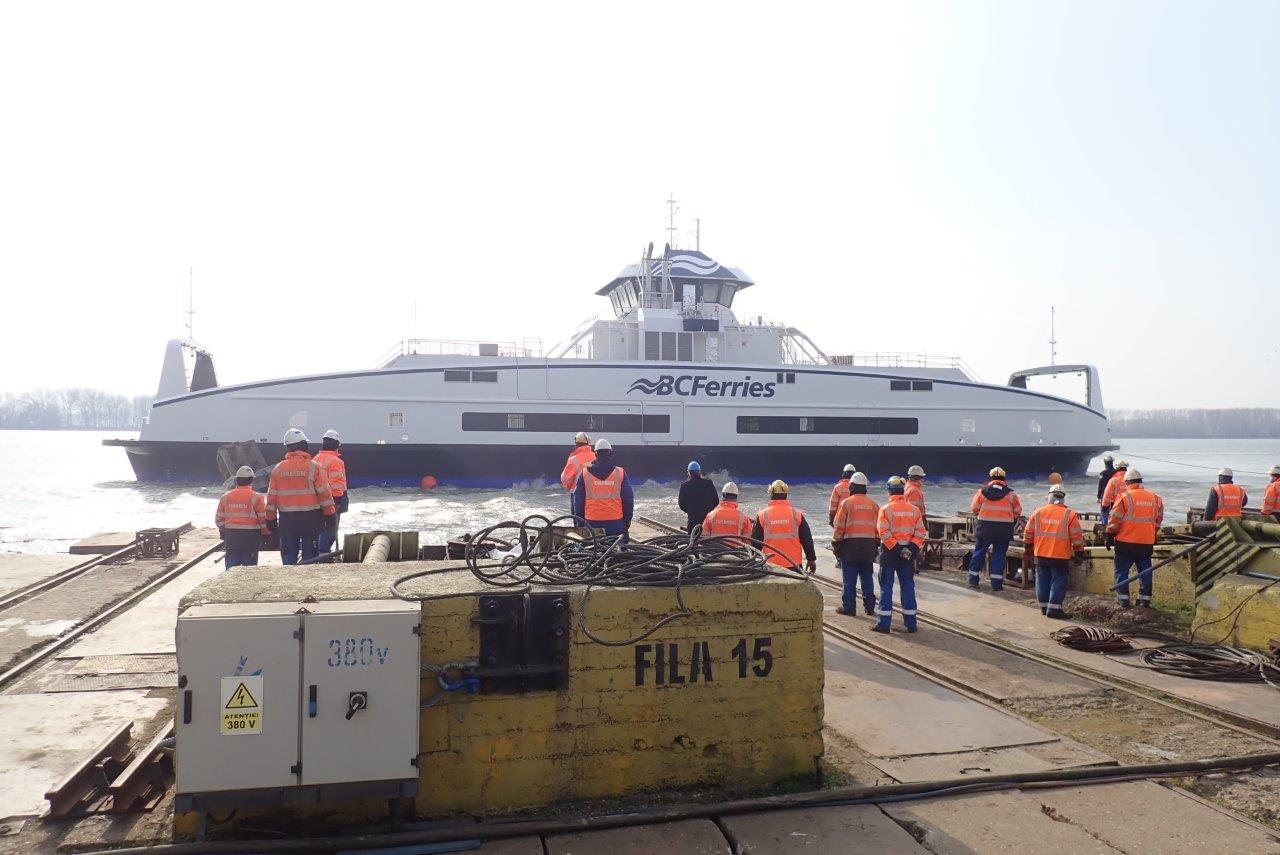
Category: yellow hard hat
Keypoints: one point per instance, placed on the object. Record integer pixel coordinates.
(897, 484)
(996, 472)
(779, 488)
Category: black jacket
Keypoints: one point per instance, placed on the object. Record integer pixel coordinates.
(1107, 471)
(994, 529)
(698, 497)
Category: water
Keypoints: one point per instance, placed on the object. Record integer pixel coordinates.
(59, 486)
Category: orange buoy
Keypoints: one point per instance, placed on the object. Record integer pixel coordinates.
(428, 482)
(1055, 478)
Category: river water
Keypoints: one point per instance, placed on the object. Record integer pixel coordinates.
(59, 486)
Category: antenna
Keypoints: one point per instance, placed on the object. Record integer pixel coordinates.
(697, 234)
(191, 301)
(1053, 338)
(671, 221)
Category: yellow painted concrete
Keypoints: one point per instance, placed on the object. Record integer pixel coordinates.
(1170, 584)
(1252, 625)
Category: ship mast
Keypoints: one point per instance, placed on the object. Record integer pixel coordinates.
(1053, 338)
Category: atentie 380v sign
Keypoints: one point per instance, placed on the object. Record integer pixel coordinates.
(699, 385)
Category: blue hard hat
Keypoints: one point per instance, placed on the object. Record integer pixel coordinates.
(694, 467)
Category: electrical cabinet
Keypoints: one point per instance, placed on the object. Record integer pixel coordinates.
(278, 696)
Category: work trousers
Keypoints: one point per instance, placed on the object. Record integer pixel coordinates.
(996, 568)
(1124, 563)
(299, 535)
(855, 573)
(1051, 584)
(240, 558)
(612, 527)
(1106, 515)
(329, 536)
(906, 575)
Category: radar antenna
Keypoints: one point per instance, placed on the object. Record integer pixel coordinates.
(671, 220)
(191, 301)
(1053, 338)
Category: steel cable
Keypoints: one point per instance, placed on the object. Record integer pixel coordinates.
(1092, 639)
(1213, 662)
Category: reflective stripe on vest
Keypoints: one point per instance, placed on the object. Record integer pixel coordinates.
(726, 520)
(839, 493)
(581, 457)
(900, 522)
(299, 484)
(781, 526)
(242, 508)
(915, 494)
(1054, 531)
(857, 517)
(335, 469)
(997, 510)
(1136, 516)
(1271, 498)
(1230, 500)
(1116, 488)
(604, 496)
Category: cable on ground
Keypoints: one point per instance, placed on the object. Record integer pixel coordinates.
(1092, 639)
(1213, 662)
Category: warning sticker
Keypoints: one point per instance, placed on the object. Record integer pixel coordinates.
(241, 705)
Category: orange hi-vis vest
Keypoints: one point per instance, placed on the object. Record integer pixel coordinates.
(780, 523)
(1007, 509)
(1136, 516)
(839, 493)
(298, 483)
(915, 494)
(1115, 488)
(1271, 498)
(1054, 530)
(727, 520)
(242, 508)
(1230, 500)
(856, 518)
(335, 469)
(604, 496)
(580, 458)
(900, 522)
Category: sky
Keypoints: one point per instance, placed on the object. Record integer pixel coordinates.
(897, 176)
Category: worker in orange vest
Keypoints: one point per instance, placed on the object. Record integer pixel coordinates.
(335, 468)
(915, 487)
(1226, 499)
(997, 508)
(783, 533)
(727, 519)
(1114, 488)
(854, 539)
(1271, 498)
(1053, 535)
(579, 459)
(299, 504)
(839, 493)
(603, 495)
(1131, 532)
(241, 519)
(900, 527)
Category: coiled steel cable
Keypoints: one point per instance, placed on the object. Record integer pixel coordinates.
(1213, 662)
(1092, 639)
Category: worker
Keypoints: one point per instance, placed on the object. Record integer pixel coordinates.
(335, 468)
(839, 493)
(579, 458)
(854, 541)
(1104, 477)
(783, 533)
(1053, 536)
(1226, 499)
(697, 496)
(299, 503)
(915, 488)
(603, 496)
(727, 519)
(1271, 498)
(900, 527)
(241, 519)
(1115, 486)
(997, 508)
(1131, 532)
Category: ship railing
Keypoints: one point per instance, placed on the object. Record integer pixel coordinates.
(530, 348)
(902, 359)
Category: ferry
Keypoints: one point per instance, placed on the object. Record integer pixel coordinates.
(673, 375)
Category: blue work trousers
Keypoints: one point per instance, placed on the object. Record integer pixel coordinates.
(906, 573)
(1106, 515)
(612, 527)
(1125, 562)
(998, 550)
(329, 536)
(855, 573)
(240, 558)
(1051, 586)
(297, 537)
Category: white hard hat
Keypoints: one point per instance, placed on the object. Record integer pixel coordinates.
(1225, 472)
(332, 434)
(244, 472)
(293, 435)
(1108, 458)
(916, 471)
(859, 479)
(1122, 464)
(1274, 470)
(996, 472)
(849, 467)
(581, 436)
(730, 489)
(604, 445)
(1133, 475)
(1057, 490)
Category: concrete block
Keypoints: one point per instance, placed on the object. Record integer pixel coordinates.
(1255, 623)
(1170, 584)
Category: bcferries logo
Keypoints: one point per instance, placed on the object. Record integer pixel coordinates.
(699, 385)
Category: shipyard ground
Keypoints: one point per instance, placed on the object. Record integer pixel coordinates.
(981, 689)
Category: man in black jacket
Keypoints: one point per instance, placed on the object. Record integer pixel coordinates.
(698, 496)
(1108, 469)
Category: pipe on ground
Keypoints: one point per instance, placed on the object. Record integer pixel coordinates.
(379, 550)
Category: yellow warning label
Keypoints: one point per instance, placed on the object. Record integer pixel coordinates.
(241, 706)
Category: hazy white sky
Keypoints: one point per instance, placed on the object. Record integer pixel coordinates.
(894, 176)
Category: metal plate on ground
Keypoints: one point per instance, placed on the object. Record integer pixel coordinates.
(125, 664)
(998, 761)
(108, 682)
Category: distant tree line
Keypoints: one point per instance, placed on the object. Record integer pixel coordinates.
(1197, 424)
(72, 409)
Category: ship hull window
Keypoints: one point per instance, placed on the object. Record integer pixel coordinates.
(652, 351)
(567, 422)
(863, 425)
